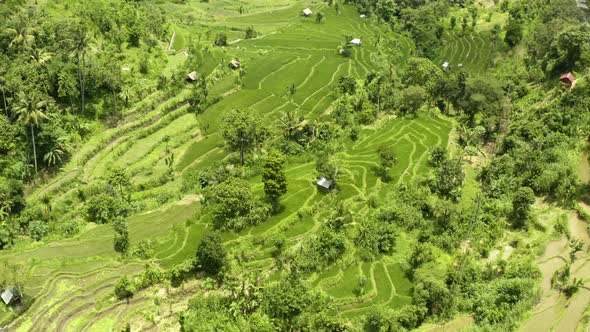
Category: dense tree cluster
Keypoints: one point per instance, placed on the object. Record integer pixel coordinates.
(65, 72)
(287, 304)
(234, 205)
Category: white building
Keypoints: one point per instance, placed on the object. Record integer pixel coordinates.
(356, 42)
(307, 12)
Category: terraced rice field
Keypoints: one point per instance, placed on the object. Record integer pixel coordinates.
(72, 280)
(555, 310)
(472, 52)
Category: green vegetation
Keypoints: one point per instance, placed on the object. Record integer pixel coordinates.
(159, 165)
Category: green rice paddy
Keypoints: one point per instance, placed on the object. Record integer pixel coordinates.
(72, 280)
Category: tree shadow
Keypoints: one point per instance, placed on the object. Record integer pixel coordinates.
(382, 174)
(584, 193)
(277, 208)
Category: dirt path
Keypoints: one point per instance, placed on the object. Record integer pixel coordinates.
(68, 176)
(190, 199)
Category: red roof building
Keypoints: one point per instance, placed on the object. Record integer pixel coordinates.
(567, 78)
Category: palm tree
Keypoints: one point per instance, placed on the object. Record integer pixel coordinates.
(30, 109)
(53, 156)
(57, 151)
(83, 42)
(21, 31)
(127, 94)
(3, 88)
(289, 122)
(3, 213)
(39, 55)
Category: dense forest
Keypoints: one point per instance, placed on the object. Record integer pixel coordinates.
(78, 78)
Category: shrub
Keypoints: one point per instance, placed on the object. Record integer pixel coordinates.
(211, 253)
(220, 39)
(250, 33)
(144, 249)
(38, 229)
(124, 288)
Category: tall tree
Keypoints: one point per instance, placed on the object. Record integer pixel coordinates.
(521, 207)
(39, 55)
(198, 96)
(20, 31)
(449, 179)
(82, 43)
(67, 87)
(121, 239)
(289, 122)
(30, 110)
(211, 253)
(387, 157)
(233, 201)
(273, 176)
(117, 178)
(241, 130)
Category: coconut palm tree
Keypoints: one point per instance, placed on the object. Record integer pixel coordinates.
(39, 55)
(289, 122)
(21, 31)
(30, 109)
(3, 88)
(3, 213)
(57, 151)
(127, 94)
(83, 43)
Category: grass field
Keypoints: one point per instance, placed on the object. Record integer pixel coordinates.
(72, 280)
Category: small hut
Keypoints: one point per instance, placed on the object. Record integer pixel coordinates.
(356, 41)
(235, 64)
(9, 296)
(325, 184)
(446, 66)
(192, 77)
(307, 12)
(567, 79)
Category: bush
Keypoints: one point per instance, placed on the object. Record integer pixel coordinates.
(124, 288)
(144, 249)
(250, 33)
(211, 253)
(38, 229)
(182, 271)
(234, 205)
(220, 39)
(103, 205)
(321, 250)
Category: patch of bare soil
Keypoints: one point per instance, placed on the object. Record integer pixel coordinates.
(190, 199)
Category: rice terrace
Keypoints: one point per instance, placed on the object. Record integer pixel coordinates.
(293, 165)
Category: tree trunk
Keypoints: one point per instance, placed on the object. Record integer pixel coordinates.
(34, 147)
(81, 67)
(4, 98)
(72, 104)
(242, 154)
(114, 100)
